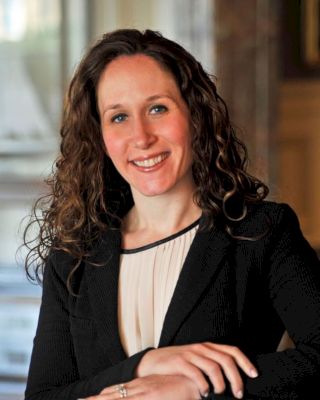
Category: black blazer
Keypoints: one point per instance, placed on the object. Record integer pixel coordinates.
(233, 291)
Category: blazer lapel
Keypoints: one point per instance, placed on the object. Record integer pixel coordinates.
(195, 275)
(103, 292)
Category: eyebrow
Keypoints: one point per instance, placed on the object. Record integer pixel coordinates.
(150, 98)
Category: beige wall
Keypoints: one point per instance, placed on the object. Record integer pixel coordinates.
(110, 14)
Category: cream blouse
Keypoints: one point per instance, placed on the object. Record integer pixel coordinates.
(148, 276)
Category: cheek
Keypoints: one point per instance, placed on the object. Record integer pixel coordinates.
(112, 146)
(179, 134)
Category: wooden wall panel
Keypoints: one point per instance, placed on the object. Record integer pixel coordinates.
(299, 152)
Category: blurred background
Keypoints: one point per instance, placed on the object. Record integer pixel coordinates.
(265, 55)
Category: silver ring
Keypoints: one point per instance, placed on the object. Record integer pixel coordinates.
(122, 391)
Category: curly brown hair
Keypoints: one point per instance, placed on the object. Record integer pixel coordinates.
(86, 193)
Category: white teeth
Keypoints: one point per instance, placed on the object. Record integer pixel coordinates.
(150, 162)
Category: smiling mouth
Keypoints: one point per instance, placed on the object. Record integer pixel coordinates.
(150, 162)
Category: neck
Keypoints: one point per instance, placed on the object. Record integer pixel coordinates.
(164, 214)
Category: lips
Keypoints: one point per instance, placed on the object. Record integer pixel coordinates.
(151, 161)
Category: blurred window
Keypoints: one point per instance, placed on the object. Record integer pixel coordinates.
(30, 102)
(40, 43)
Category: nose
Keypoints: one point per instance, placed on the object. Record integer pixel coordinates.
(142, 134)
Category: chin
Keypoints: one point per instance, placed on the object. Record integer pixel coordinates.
(152, 191)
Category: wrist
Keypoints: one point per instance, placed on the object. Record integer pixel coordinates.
(142, 368)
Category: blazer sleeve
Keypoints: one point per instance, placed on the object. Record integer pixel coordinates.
(53, 370)
(293, 280)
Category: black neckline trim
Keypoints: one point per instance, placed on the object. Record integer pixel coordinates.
(161, 241)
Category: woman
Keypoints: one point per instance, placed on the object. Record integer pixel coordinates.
(167, 275)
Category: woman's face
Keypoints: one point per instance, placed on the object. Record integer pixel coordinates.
(145, 125)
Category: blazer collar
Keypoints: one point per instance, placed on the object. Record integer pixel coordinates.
(195, 275)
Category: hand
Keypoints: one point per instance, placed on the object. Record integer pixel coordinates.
(153, 387)
(195, 360)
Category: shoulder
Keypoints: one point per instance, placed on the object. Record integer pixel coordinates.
(271, 208)
(59, 264)
(270, 240)
(266, 217)
(272, 230)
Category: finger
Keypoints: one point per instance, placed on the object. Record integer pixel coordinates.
(193, 365)
(212, 370)
(191, 370)
(230, 369)
(114, 388)
(132, 389)
(241, 359)
(105, 396)
(109, 396)
(221, 361)
(231, 372)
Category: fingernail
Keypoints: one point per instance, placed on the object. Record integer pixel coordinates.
(239, 394)
(205, 394)
(253, 373)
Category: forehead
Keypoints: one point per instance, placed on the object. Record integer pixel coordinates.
(139, 68)
(138, 59)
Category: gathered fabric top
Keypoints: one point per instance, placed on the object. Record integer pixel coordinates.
(148, 277)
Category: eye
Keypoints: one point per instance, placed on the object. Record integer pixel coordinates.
(118, 118)
(158, 109)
